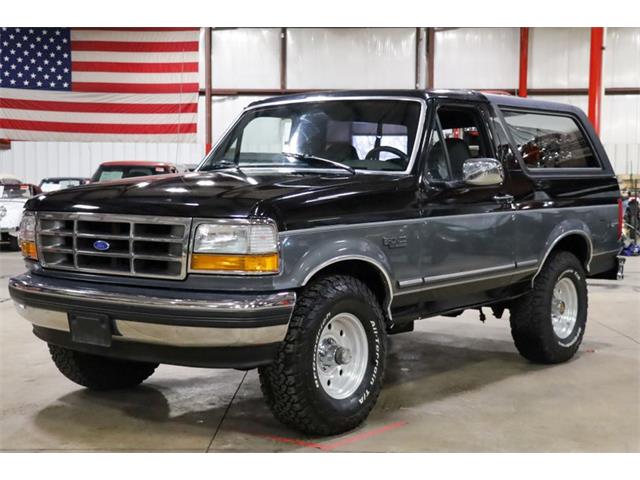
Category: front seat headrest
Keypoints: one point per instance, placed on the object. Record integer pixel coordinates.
(458, 152)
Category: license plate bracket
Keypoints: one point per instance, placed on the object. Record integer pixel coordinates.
(90, 328)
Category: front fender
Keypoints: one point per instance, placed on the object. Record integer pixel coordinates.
(318, 253)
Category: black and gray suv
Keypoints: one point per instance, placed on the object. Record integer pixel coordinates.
(317, 226)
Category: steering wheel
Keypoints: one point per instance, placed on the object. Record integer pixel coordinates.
(401, 156)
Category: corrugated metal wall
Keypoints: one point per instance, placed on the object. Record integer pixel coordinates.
(246, 58)
(351, 58)
(477, 58)
(376, 58)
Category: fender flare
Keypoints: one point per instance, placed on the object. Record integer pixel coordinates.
(575, 231)
(375, 263)
(360, 250)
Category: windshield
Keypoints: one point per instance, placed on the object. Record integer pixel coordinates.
(376, 135)
(15, 191)
(108, 173)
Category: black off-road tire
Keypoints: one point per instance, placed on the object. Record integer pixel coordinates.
(290, 385)
(531, 326)
(100, 373)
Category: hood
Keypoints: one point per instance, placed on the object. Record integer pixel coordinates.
(289, 197)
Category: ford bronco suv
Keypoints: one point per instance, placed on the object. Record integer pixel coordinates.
(317, 226)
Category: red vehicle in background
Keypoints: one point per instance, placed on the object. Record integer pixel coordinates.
(108, 171)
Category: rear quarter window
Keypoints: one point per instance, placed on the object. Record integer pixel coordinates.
(547, 141)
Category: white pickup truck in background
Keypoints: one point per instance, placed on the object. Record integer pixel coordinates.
(13, 195)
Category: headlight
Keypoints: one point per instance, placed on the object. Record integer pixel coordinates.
(236, 247)
(27, 235)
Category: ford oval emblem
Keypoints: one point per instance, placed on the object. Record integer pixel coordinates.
(101, 245)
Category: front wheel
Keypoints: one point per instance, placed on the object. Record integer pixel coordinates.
(100, 373)
(548, 323)
(328, 373)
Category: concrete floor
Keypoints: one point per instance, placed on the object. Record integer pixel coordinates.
(454, 384)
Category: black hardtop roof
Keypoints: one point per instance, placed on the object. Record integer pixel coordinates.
(520, 102)
(453, 94)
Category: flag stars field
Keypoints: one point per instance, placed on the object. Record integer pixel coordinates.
(99, 84)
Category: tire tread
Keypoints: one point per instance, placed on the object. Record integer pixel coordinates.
(281, 382)
(99, 373)
(528, 314)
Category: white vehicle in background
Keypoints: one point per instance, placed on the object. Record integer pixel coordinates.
(13, 195)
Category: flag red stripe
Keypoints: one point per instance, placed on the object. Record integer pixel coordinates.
(104, 46)
(88, 107)
(186, 67)
(101, 112)
(141, 29)
(135, 87)
(113, 128)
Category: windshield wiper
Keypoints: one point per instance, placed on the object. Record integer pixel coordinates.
(313, 158)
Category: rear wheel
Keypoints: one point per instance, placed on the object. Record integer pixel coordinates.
(100, 373)
(548, 323)
(328, 372)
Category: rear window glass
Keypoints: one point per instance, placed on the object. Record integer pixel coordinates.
(53, 185)
(15, 191)
(549, 141)
(106, 174)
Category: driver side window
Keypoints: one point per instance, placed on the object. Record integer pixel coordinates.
(437, 158)
(458, 135)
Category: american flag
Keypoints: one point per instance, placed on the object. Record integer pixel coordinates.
(117, 84)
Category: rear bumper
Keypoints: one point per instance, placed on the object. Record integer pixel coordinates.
(162, 323)
(608, 266)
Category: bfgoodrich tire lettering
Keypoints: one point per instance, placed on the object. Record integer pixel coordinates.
(291, 385)
(531, 315)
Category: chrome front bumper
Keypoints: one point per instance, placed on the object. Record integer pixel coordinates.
(157, 316)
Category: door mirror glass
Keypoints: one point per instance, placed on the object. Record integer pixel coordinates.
(482, 172)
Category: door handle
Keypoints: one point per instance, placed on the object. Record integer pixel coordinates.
(504, 199)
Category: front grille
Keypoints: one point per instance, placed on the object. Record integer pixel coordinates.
(134, 245)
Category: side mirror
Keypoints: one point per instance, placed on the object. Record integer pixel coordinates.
(482, 172)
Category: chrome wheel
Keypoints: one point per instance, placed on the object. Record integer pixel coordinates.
(564, 307)
(341, 357)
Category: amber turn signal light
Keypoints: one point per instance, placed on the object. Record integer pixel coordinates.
(28, 249)
(267, 263)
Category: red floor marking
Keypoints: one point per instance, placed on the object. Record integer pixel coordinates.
(300, 443)
(327, 447)
(363, 435)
